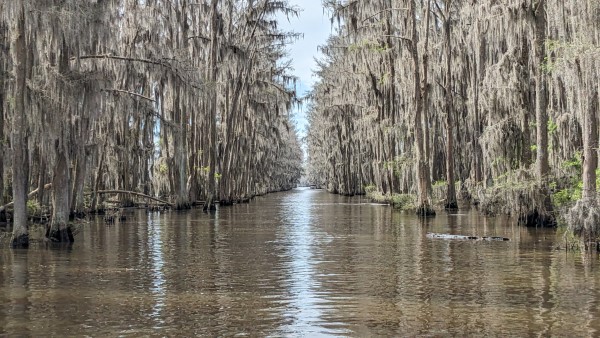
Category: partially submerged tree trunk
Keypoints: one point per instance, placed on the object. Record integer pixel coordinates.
(421, 88)
(584, 218)
(212, 116)
(20, 165)
(543, 216)
(59, 230)
(98, 178)
(451, 202)
(2, 141)
(180, 165)
(4, 69)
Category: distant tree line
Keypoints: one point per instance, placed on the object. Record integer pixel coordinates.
(492, 101)
(179, 100)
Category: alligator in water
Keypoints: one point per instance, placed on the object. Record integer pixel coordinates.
(476, 238)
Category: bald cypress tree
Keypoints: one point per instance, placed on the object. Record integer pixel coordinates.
(19, 127)
(504, 99)
(120, 98)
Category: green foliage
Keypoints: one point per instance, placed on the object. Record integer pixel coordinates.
(572, 192)
(548, 66)
(163, 168)
(218, 176)
(398, 201)
(567, 196)
(575, 162)
(552, 127)
(33, 207)
(572, 242)
(377, 197)
(399, 164)
(533, 147)
(403, 201)
(552, 45)
(437, 184)
(370, 188)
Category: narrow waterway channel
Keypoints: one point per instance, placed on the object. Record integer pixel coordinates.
(299, 263)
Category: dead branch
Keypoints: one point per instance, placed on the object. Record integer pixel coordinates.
(124, 192)
(31, 194)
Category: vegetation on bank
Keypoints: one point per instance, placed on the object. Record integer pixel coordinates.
(173, 102)
(498, 99)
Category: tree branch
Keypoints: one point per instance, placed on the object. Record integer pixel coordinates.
(154, 113)
(31, 194)
(398, 37)
(147, 61)
(130, 93)
(383, 11)
(124, 192)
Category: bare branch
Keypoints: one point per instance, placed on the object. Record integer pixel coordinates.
(384, 11)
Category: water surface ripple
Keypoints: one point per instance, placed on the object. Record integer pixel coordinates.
(299, 263)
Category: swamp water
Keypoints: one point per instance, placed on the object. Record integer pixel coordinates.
(300, 263)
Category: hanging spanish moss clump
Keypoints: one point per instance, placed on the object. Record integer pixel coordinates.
(583, 220)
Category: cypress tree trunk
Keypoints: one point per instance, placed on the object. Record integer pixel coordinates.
(59, 230)
(180, 150)
(20, 165)
(448, 107)
(541, 101)
(77, 200)
(77, 206)
(41, 179)
(421, 100)
(98, 177)
(3, 87)
(181, 120)
(590, 151)
(2, 153)
(212, 78)
(543, 217)
(476, 160)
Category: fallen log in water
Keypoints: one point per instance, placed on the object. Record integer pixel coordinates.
(463, 237)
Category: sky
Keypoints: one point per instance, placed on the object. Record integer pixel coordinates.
(314, 23)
